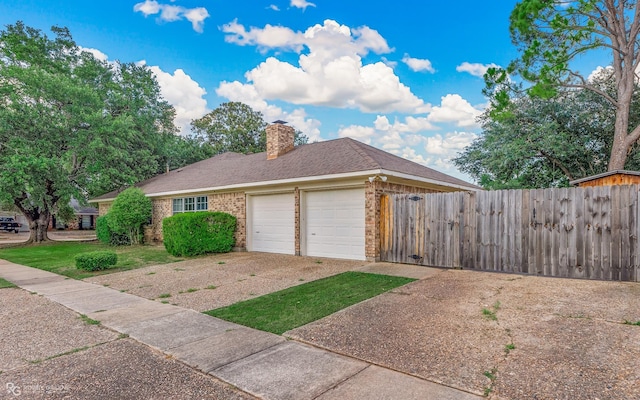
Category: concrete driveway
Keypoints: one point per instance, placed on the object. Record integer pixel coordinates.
(509, 336)
(219, 280)
(539, 338)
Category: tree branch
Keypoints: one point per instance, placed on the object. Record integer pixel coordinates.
(557, 163)
(633, 136)
(585, 85)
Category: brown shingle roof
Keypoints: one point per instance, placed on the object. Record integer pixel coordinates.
(337, 156)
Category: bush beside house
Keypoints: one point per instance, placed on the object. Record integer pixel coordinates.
(124, 222)
(106, 235)
(191, 234)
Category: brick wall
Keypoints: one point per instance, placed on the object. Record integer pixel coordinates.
(161, 209)
(104, 207)
(234, 204)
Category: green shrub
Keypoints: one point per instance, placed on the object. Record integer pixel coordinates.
(194, 233)
(96, 260)
(106, 235)
(128, 213)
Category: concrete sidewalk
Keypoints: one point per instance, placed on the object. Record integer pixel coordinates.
(260, 363)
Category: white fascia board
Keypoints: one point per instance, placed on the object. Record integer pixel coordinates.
(426, 180)
(303, 181)
(296, 181)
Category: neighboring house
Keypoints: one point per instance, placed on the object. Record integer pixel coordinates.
(320, 199)
(609, 178)
(85, 218)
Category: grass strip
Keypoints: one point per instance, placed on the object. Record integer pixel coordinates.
(299, 305)
(59, 257)
(6, 284)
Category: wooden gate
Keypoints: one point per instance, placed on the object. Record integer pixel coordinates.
(589, 232)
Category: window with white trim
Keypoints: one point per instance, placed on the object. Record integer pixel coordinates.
(189, 204)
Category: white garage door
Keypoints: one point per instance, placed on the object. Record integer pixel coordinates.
(335, 224)
(272, 223)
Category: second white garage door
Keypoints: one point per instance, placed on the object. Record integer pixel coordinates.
(335, 224)
(273, 223)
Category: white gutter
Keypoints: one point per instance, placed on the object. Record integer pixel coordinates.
(307, 179)
(261, 183)
(427, 180)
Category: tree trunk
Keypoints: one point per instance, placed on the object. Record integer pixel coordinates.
(38, 228)
(621, 145)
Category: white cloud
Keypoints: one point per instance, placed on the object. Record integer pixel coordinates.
(363, 134)
(303, 4)
(411, 139)
(266, 38)
(247, 94)
(331, 73)
(475, 69)
(602, 72)
(417, 64)
(96, 53)
(197, 16)
(148, 7)
(273, 7)
(453, 108)
(450, 144)
(184, 94)
(389, 63)
(170, 13)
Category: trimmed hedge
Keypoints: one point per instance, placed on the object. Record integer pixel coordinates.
(195, 233)
(96, 260)
(106, 235)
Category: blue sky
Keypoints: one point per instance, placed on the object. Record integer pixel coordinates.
(403, 76)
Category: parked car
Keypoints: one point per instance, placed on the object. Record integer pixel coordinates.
(9, 224)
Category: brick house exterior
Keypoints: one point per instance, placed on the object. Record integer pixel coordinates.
(336, 165)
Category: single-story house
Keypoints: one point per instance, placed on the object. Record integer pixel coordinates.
(85, 218)
(319, 199)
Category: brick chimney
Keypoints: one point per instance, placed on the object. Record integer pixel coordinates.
(279, 139)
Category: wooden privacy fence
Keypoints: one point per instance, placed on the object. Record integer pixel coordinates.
(588, 232)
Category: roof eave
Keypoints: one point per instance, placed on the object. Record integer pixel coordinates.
(604, 175)
(310, 179)
(435, 182)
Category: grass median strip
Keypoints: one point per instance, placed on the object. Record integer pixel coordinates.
(6, 284)
(299, 305)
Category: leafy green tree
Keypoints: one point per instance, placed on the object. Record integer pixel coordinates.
(72, 125)
(546, 142)
(552, 34)
(183, 150)
(235, 127)
(130, 211)
(232, 127)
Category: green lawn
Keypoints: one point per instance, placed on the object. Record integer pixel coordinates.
(59, 257)
(6, 284)
(299, 305)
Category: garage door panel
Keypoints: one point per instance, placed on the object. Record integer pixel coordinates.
(272, 228)
(335, 224)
